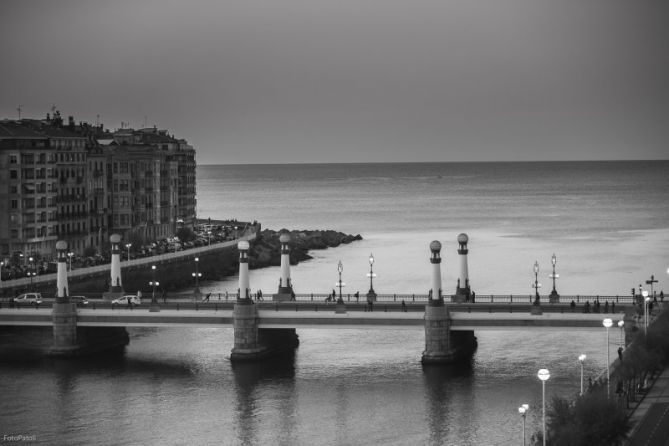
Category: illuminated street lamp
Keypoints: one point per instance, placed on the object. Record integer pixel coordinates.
(1, 265)
(154, 283)
(371, 295)
(209, 237)
(69, 259)
(554, 296)
(128, 245)
(197, 276)
(536, 284)
(608, 323)
(646, 300)
(522, 410)
(340, 284)
(543, 375)
(621, 325)
(581, 358)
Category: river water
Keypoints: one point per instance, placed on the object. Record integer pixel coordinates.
(606, 223)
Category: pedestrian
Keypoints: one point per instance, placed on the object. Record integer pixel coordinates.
(473, 297)
(206, 298)
(661, 296)
(404, 306)
(130, 301)
(572, 305)
(613, 307)
(164, 297)
(260, 295)
(620, 354)
(357, 296)
(606, 307)
(226, 295)
(292, 294)
(370, 304)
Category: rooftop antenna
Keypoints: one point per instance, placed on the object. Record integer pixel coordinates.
(19, 110)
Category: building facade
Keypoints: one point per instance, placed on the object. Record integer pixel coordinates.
(81, 183)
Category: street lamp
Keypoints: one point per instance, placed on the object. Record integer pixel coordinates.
(69, 259)
(197, 276)
(128, 245)
(31, 274)
(340, 284)
(554, 296)
(536, 284)
(209, 237)
(621, 325)
(646, 300)
(522, 411)
(543, 375)
(154, 283)
(607, 323)
(581, 358)
(371, 294)
(1, 265)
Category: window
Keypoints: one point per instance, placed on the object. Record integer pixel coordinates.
(13, 174)
(13, 159)
(15, 204)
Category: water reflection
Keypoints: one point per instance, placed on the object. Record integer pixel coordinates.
(250, 381)
(440, 383)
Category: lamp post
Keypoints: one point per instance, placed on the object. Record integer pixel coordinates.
(543, 375)
(209, 237)
(197, 274)
(340, 284)
(128, 245)
(31, 271)
(522, 411)
(621, 325)
(154, 283)
(554, 296)
(536, 284)
(581, 358)
(1, 265)
(69, 259)
(646, 300)
(607, 323)
(371, 294)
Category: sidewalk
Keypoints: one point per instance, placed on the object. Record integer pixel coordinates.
(650, 420)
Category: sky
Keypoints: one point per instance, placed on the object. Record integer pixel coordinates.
(310, 81)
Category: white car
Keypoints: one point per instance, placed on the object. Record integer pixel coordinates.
(29, 299)
(123, 300)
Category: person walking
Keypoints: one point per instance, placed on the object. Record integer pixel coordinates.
(164, 295)
(404, 306)
(357, 296)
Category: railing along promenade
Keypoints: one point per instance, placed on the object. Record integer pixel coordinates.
(138, 262)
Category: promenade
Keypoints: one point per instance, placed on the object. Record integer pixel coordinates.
(650, 419)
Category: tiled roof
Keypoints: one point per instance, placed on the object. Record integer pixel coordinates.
(15, 129)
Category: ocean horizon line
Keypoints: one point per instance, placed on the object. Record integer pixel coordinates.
(371, 163)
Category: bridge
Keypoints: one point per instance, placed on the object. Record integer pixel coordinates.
(263, 328)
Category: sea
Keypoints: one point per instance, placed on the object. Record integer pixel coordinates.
(606, 222)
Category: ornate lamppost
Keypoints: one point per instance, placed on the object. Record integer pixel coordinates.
(154, 283)
(554, 296)
(536, 284)
(607, 324)
(31, 271)
(197, 274)
(69, 259)
(340, 284)
(128, 245)
(371, 295)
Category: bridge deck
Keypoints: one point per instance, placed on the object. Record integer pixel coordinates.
(460, 320)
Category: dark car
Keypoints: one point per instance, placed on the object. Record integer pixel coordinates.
(79, 300)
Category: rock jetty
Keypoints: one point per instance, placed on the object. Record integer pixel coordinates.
(266, 250)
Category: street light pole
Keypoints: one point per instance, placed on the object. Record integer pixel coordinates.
(128, 245)
(197, 276)
(340, 268)
(543, 376)
(646, 300)
(581, 358)
(554, 296)
(607, 323)
(522, 411)
(154, 303)
(371, 294)
(621, 324)
(536, 282)
(69, 259)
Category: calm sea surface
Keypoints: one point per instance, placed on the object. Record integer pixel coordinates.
(607, 223)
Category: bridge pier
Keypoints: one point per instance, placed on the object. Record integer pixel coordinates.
(251, 342)
(68, 339)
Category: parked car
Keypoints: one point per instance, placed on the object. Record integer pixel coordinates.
(79, 300)
(29, 299)
(123, 300)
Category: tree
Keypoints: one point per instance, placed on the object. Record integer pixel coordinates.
(185, 234)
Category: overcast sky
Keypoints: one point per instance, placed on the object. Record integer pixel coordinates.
(269, 81)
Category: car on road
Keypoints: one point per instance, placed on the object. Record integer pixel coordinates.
(123, 300)
(28, 299)
(79, 300)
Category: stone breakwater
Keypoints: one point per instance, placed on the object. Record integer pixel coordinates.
(266, 250)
